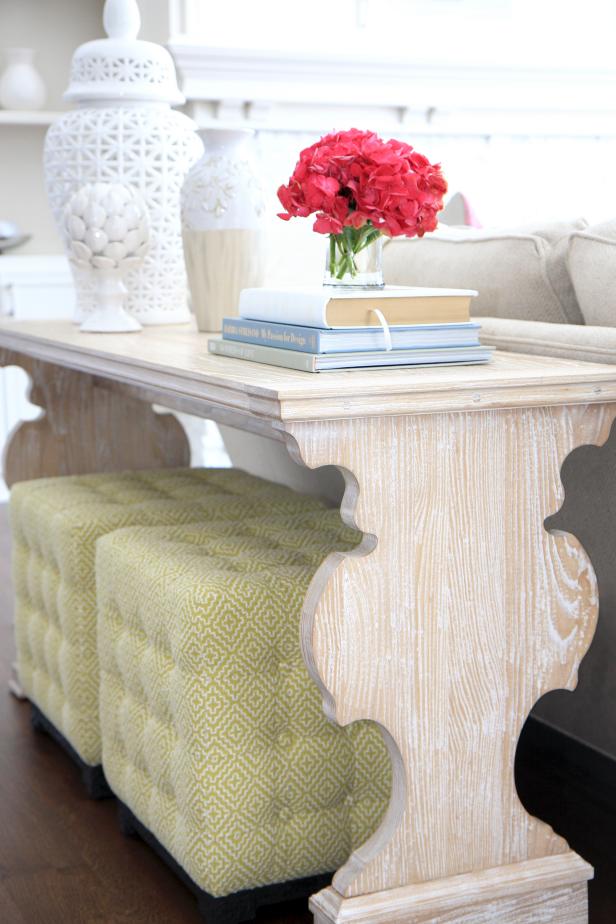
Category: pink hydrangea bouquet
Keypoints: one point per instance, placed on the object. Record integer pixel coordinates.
(360, 188)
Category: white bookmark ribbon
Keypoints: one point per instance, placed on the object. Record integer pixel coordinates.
(386, 331)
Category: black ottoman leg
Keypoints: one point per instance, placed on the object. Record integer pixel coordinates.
(93, 778)
(126, 821)
(233, 909)
(36, 719)
(94, 782)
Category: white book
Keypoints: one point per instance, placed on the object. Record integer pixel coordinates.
(331, 307)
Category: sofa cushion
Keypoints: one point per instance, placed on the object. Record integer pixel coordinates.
(519, 273)
(592, 266)
(568, 341)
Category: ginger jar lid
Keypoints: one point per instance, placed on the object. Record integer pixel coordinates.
(122, 67)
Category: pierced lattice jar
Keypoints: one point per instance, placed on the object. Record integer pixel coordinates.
(124, 131)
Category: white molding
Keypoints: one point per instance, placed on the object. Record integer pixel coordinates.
(280, 91)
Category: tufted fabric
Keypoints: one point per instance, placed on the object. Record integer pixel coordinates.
(213, 732)
(55, 524)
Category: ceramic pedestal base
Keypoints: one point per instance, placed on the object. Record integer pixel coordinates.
(105, 321)
(110, 316)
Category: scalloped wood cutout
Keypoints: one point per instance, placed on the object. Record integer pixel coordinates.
(87, 426)
(464, 613)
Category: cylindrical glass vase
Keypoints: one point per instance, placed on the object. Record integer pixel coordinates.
(222, 225)
(354, 258)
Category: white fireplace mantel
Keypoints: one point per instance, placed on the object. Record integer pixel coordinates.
(287, 91)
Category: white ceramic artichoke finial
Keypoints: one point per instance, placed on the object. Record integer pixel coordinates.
(122, 19)
(107, 229)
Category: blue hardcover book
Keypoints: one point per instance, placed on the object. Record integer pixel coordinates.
(349, 339)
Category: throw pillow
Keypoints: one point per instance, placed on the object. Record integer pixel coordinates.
(592, 265)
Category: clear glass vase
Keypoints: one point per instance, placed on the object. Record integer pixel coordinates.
(354, 258)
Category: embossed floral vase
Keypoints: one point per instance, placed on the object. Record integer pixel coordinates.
(222, 222)
(125, 131)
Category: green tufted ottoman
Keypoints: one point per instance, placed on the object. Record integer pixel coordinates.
(213, 732)
(55, 524)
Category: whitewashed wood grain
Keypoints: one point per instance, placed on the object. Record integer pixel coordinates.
(86, 427)
(547, 891)
(448, 632)
(567, 905)
(174, 363)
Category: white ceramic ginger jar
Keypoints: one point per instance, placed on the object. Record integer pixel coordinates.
(124, 131)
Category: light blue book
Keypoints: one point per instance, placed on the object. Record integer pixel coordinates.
(349, 339)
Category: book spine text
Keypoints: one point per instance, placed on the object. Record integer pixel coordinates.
(289, 359)
(286, 337)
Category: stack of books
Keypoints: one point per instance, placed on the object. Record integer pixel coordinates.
(316, 329)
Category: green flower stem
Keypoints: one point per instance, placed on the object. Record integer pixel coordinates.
(344, 247)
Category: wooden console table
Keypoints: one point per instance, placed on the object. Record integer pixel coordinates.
(457, 612)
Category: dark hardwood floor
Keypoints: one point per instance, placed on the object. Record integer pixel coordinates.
(64, 861)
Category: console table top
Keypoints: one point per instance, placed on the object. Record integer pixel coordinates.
(175, 360)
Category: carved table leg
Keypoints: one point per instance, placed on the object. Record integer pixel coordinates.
(86, 426)
(456, 615)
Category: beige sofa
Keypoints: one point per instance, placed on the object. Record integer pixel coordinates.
(546, 289)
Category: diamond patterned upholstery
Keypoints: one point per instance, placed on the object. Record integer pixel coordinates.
(213, 732)
(55, 524)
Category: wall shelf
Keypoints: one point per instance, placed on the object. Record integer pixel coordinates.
(28, 117)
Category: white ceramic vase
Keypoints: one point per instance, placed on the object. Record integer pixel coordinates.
(21, 85)
(222, 224)
(124, 131)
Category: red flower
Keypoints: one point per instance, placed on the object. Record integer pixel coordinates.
(351, 178)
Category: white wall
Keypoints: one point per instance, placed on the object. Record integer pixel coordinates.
(22, 188)
(53, 28)
(547, 33)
